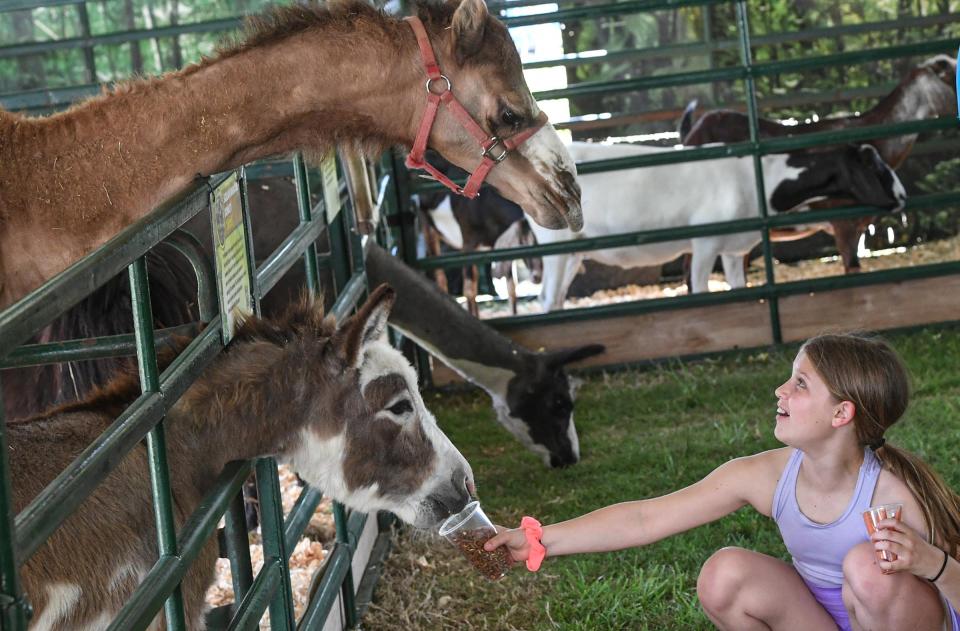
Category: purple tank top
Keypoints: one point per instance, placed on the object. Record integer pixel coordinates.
(818, 549)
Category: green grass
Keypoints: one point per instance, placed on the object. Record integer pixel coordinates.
(642, 434)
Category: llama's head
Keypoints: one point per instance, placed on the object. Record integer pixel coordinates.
(475, 52)
(382, 450)
(537, 407)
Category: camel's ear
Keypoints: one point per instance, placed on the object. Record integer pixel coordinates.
(469, 22)
(366, 326)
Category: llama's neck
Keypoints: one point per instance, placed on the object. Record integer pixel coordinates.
(75, 179)
(476, 351)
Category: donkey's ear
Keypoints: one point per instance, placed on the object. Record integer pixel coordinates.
(566, 356)
(469, 22)
(366, 326)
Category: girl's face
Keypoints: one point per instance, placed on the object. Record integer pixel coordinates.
(805, 407)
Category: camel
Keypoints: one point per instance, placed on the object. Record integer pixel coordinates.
(304, 78)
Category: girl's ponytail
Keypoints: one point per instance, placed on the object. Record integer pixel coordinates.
(940, 504)
(869, 373)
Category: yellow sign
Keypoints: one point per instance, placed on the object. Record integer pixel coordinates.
(331, 187)
(230, 251)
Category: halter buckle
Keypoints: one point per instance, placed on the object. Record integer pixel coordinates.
(432, 79)
(488, 151)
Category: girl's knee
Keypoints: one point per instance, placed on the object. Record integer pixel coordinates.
(721, 577)
(863, 578)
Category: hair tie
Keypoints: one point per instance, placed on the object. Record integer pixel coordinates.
(877, 444)
(942, 566)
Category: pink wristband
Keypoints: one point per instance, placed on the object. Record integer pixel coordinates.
(531, 528)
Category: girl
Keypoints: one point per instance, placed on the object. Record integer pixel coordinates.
(845, 391)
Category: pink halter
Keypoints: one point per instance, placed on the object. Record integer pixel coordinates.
(494, 148)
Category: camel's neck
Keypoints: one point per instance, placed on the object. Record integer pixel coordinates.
(473, 349)
(81, 176)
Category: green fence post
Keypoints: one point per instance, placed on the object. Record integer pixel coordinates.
(13, 603)
(156, 444)
(750, 90)
(306, 216)
(274, 548)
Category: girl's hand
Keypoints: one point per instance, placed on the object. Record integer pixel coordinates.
(914, 554)
(515, 540)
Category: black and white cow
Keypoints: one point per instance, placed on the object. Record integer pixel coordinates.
(708, 191)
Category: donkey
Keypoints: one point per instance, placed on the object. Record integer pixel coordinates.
(929, 90)
(532, 394)
(708, 191)
(73, 180)
(340, 405)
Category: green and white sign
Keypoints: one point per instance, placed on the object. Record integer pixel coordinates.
(230, 251)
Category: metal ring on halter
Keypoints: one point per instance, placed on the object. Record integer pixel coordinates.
(494, 141)
(444, 77)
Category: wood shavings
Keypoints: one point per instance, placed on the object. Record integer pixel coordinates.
(306, 559)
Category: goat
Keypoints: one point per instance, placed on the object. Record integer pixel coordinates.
(488, 221)
(928, 90)
(704, 192)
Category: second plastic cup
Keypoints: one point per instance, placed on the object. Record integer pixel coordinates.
(469, 530)
(872, 516)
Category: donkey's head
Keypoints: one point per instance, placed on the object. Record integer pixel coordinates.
(538, 409)
(384, 451)
(475, 51)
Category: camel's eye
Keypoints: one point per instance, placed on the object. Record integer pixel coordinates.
(510, 118)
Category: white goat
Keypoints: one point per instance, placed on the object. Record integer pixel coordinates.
(708, 191)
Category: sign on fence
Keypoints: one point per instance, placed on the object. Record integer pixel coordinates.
(230, 252)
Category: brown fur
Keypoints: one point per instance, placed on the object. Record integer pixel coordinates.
(305, 78)
(277, 380)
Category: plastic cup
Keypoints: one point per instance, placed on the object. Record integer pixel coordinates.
(874, 515)
(469, 530)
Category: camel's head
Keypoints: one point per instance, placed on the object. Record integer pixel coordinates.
(475, 52)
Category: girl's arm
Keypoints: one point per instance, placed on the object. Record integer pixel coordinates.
(750, 480)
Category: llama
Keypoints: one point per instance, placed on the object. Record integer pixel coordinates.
(73, 180)
(336, 403)
(707, 191)
(928, 90)
(531, 392)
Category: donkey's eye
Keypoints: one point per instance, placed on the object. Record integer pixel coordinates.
(400, 407)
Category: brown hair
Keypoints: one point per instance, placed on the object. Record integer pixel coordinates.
(868, 372)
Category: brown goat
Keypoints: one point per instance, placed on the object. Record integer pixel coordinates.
(339, 405)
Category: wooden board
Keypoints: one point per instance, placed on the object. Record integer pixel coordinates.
(646, 336)
(680, 332)
(871, 308)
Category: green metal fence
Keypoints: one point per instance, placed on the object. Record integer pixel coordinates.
(21, 535)
(339, 271)
(745, 72)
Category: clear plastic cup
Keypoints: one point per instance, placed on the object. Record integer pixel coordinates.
(872, 516)
(469, 530)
